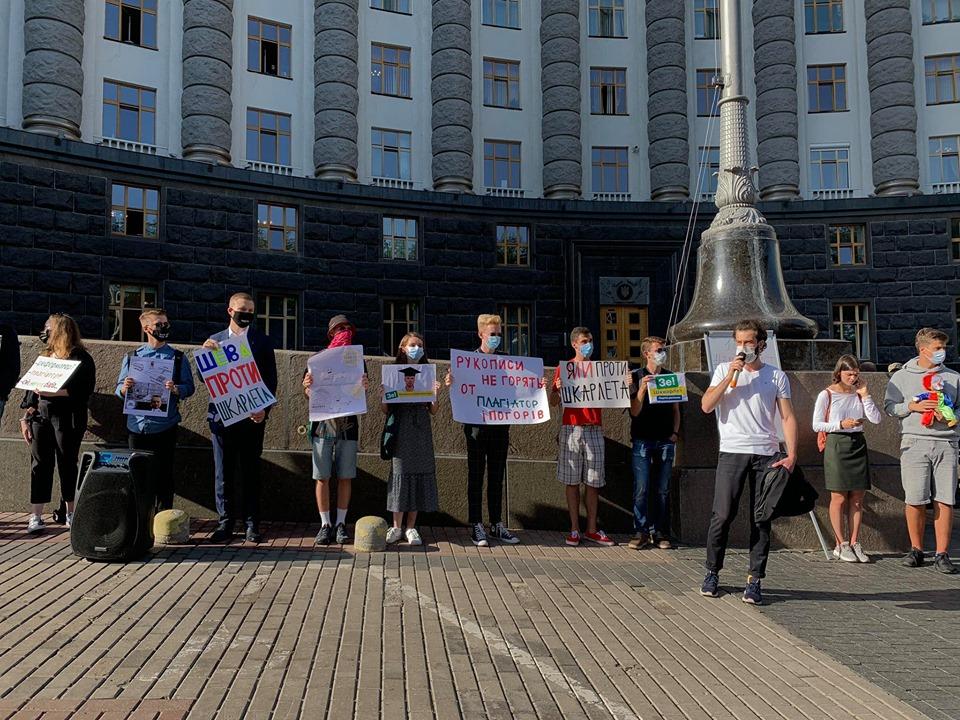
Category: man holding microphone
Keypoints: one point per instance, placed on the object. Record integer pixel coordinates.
(746, 394)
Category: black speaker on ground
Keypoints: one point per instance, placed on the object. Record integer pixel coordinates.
(115, 502)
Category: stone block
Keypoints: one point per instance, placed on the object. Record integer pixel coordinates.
(370, 534)
(171, 527)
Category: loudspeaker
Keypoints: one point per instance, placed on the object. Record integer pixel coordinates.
(115, 503)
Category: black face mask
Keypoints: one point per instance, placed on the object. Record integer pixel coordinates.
(161, 331)
(243, 319)
(44, 336)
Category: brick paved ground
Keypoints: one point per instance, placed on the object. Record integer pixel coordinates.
(444, 631)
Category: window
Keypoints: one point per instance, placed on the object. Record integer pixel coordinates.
(945, 159)
(943, 79)
(955, 240)
(125, 304)
(826, 88)
(276, 227)
(610, 170)
(390, 70)
(502, 13)
(129, 112)
(605, 18)
(710, 170)
(851, 322)
(501, 164)
(277, 316)
(706, 19)
(397, 6)
(939, 11)
(823, 16)
(399, 239)
(848, 245)
(391, 154)
(399, 318)
(707, 92)
(268, 137)
(501, 83)
(513, 245)
(516, 329)
(135, 211)
(608, 91)
(268, 47)
(131, 21)
(829, 168)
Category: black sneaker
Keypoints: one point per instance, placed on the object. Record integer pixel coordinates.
(323, 537)
(943, 564)
(499, 532)
(223, 533)
(253, 534)
(342, 537)
(478, 535)
(914, 558)
(751, 593)
(711, 585)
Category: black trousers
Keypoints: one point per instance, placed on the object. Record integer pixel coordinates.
(163, 445)
(236, 461)
(733, 471)
(486, 451)
(56, 441)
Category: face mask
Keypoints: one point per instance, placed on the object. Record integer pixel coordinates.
(161, 331)
(493, 342)
(342, 338)
(243, 319)
(660, 357)
(414, 352)
(938, 357)
(586, 349)
(749, 352)
(44, 336)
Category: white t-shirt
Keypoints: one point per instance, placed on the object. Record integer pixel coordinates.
(747, 412)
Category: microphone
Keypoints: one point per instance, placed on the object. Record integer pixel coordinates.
(736, 373)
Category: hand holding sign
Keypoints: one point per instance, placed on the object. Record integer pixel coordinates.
(233, 381)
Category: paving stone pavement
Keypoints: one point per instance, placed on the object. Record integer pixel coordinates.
(539, 630)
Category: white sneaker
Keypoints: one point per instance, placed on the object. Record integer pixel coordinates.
(836, 552)
(35, 524)
(394, 534)
(413, 537)
(858, 551)
(69, 520)
(847, 554)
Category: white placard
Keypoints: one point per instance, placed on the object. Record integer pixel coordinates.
(497, 389)
(667, 388)
(595, 384)
(48, 374)
(409, 383)
(233, 380)
(148, 396)
(337, 389)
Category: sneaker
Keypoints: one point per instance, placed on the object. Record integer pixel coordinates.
(914, 558)
(323, 537)
(638, 540)
(413, 537)
(752, 594)
(498, 531)
(478, 535)
(861, 555)
(944, 565)
(342, 536)
(600, 538)
(573, 539)
(223, 533)
(663, 542)
(35, 524)
(836, 552)
(394, 534)
(69, 520)
(253, 535)
(847, 554)
(711, 585)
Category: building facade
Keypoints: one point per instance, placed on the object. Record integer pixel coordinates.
(415, 163)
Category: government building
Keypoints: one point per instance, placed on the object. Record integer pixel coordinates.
(414, 163)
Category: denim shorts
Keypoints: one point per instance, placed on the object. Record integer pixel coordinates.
(330, 453)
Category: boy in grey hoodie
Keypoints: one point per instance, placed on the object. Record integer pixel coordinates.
(928, 453)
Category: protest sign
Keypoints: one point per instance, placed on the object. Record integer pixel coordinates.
(667, 388)
(409, 383)
(233, 380)
(148, 396)
(595, 384)
(337, 389)
(48, 374)
(497, 389)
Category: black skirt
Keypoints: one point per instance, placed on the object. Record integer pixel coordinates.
(845, 465)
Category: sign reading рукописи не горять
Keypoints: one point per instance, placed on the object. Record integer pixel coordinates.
(233, 380)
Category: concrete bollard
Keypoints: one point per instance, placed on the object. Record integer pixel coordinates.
(171, 527)
(370, 534)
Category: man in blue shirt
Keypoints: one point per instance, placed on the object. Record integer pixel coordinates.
(158, 434)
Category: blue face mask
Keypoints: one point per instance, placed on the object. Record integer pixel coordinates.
(414, 352)
(586, 349)
(938, 357)
(493, 342)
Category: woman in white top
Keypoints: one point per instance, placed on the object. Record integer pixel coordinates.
(840, 412)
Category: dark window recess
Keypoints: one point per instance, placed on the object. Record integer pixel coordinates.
(134, 222)
(130, 24)
(269, 54)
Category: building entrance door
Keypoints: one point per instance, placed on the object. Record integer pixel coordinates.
(622, 329)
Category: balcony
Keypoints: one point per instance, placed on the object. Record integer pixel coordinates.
(129, 145)
(707, 196)
(398, 183)
(946, 188)
(612, 196)
(834, 194)
(504, 192)
(266, 167)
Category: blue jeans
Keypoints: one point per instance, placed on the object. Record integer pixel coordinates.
(652, 457)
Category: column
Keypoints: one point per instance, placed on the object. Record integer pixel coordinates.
(451, 93)
(336, 98)
(53, 67)
(560, 84)
(206, 106)
(775, 66)
(667, 127)
(893, 115)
